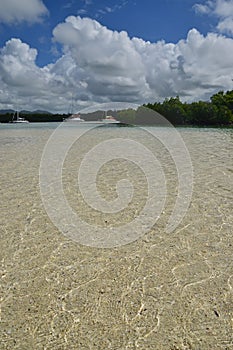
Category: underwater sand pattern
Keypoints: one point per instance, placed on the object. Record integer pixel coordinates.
(164, 291)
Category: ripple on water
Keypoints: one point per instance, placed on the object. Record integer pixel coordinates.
(164, 291)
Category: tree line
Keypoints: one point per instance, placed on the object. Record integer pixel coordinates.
(34, 117)
(216, 112)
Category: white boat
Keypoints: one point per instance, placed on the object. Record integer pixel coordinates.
(18, 118)
(107, 120)
(74, 118)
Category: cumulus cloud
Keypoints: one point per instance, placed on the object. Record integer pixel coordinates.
(24, 83)
(111, 64)
(15, 11)
(100, 65)
(222, 9)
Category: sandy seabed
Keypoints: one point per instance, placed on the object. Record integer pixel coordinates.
(164, 291)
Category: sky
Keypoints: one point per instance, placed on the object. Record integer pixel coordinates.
(63, 56)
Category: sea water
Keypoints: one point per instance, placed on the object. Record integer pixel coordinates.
(161, 291)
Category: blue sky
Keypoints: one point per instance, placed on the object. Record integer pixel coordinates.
(179, 43)
(152, 20)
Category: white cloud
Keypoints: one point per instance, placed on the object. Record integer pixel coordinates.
(23, 81)
(107, 9)
(226, 26)
(100, 65)
(222, 9)
(16, 11)
(202, 9)
(82, 12)
(109, 59)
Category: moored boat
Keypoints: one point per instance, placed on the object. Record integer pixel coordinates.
(18, 118)
(106, 120)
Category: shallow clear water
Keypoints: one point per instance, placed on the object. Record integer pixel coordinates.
(163, 291)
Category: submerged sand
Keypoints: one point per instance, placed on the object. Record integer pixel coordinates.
(163, 291)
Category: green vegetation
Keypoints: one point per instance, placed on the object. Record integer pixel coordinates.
(217, 112)
(34, 117)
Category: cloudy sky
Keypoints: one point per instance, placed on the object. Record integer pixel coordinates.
(62, 55)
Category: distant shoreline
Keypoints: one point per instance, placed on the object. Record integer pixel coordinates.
(218, 112)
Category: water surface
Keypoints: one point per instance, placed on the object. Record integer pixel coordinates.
(163, 291)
